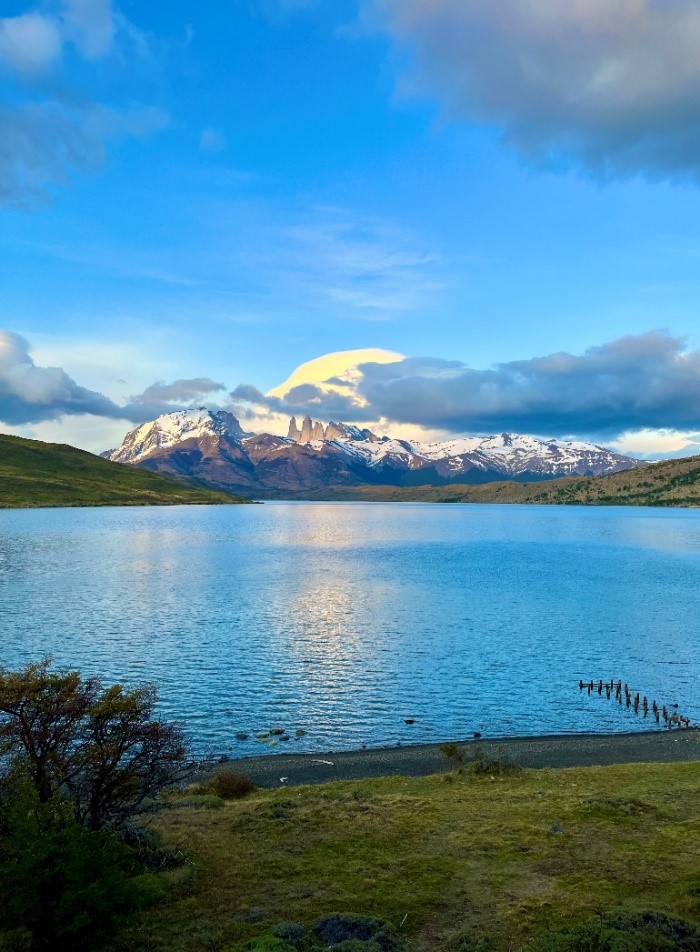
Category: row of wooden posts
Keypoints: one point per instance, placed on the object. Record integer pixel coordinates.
(622, 694)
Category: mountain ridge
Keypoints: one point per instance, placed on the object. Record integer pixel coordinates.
(213, 448)
(669, 484)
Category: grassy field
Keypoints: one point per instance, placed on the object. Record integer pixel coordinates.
(671, 483)
(47, 474)
(460, 861)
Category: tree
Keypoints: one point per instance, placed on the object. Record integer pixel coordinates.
(100, 749)
(65, 888)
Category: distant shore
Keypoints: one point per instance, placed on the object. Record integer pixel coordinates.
(553, 751)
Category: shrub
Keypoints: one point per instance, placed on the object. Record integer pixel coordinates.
(78, 761)
(230, 785)
(627, 932)
(453, 752)
(483, 763)
(101, 749)
(64, 887)
(340, 931)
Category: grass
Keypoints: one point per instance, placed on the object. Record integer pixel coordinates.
(452, 861)
(46, 474)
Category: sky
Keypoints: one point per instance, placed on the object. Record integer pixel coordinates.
(488, 215)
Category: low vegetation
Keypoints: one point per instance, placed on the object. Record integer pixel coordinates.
(486, 858)
(478, 859)
(670, 483)
(46, 474)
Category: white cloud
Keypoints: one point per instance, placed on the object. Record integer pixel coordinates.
(614, 86)
(45, 129)
(339, 372)
(91, 26)
(368, 266)
(30, 44)
(654, 444)
(649, 381)
(92, 433)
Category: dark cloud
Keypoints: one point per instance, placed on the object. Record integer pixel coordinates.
(182, 391)
(650, 380)
(30, 394)
(614, 86)
(303, 399)
(647, 381)
(251, 394)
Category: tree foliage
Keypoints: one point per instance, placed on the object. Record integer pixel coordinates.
(64, 887)
(100, 749)
(78, 760)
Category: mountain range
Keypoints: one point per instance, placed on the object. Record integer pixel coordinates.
(212, 448)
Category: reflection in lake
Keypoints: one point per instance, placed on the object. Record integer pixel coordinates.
(343, 619)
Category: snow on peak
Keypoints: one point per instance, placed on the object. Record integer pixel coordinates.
(170, 429)
(508, 455)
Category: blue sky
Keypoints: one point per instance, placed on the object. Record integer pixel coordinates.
(223, 191)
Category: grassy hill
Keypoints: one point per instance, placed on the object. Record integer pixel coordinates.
(48, 474)
(671, 483)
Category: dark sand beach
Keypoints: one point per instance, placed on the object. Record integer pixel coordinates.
(577, 750)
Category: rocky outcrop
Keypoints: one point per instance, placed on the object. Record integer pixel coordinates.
(313, 430)
(307, 430)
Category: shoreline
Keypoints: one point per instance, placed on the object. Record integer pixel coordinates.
(555, 751)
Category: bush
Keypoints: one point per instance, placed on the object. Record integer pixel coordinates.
(101, 749)
(64, 887)
(78, 762)
(483, 763)
(340, 931)
(230, 785)
(453, 752)
(627, 932)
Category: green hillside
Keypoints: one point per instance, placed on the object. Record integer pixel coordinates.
(671, 483)
(49, 474)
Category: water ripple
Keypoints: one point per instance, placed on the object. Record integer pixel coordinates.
(343, 620)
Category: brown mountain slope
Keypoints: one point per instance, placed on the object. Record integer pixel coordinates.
(670, 483)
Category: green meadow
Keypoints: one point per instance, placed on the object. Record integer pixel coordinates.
(491, 859)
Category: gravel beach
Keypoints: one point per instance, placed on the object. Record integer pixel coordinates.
(577, 750)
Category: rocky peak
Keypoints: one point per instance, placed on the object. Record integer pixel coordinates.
(313, 430)
(307, 430)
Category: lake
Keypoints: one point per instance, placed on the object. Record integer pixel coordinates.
(343, 620)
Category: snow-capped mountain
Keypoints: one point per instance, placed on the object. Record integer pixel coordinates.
(213, 448)
(171, 429)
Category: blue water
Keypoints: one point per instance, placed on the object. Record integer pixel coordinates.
(344, 619)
